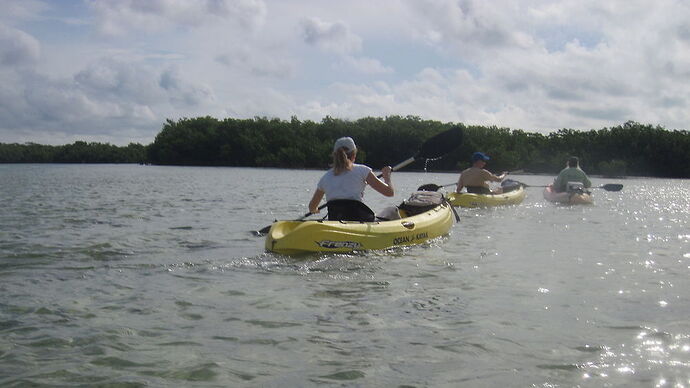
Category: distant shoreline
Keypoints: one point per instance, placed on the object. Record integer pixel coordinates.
(597, 176)
(631, 149)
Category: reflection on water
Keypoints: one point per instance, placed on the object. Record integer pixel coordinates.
(136, 276)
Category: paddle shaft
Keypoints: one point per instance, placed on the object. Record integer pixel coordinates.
(607, 187)
(400, 165)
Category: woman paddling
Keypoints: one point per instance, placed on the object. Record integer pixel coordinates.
(344, 185)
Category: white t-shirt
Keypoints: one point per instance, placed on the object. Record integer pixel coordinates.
(348, 185)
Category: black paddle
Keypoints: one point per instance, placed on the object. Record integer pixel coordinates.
(610, 187)
(607, 187)
(433, 148)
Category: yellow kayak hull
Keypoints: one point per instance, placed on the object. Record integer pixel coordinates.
(487, 200)
(567, 198)
(298, 237)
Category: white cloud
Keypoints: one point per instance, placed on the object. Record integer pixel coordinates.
(20, 10)
(468, 25)
(102, 99)
(367, 65)
(117, 68)
(182, 94)
(123, 17)
(258, 63)
(17, 48)
(112, 80)
(581, 62)
(335, 37)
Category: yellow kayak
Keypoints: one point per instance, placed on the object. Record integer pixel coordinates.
(295, 237)
(513, 197)
(570, 198)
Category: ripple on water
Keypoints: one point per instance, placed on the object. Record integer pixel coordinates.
(197, 373)
(346, 375)
(652, 353)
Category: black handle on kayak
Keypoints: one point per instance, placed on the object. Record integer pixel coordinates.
(433, 186)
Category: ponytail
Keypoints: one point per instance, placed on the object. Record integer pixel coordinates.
(341, 160)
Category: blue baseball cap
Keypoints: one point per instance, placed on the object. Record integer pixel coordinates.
(480, 156)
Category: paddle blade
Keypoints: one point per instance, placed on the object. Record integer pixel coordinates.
(262, 231)
(612, 187)
(265, 230)
(441, 144)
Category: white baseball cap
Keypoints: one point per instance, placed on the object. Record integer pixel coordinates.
(346, 142)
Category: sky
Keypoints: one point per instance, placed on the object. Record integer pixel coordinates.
(115, 70)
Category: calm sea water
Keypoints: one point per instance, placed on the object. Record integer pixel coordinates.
(149, 276)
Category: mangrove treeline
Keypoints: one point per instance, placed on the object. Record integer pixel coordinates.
(628, 149)
(78, 152)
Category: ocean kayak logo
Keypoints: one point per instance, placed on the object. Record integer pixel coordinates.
(410, 239)
(328, 244)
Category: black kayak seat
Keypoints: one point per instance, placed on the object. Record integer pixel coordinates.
(477, 190)
(349, 210)
(509, 185)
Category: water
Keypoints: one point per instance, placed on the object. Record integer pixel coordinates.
(149, 276)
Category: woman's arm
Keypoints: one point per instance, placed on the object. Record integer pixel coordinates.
(385, 187)
(315, 200)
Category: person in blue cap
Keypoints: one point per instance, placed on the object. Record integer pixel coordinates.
(475, 179)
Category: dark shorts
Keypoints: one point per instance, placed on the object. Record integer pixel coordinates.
(349, 210)
(477, 190)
